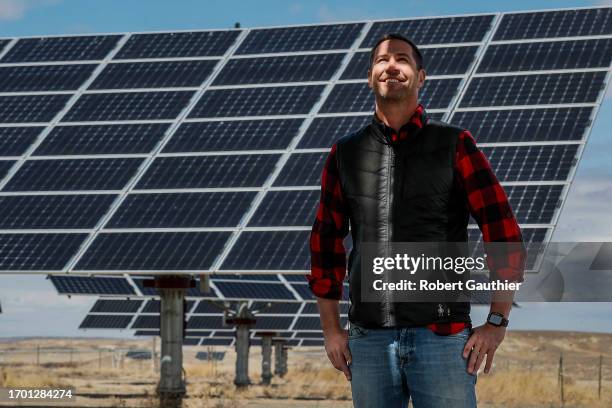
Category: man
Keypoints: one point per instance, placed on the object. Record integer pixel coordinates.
(406, 178)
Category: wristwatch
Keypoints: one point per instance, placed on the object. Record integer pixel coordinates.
(497, 319)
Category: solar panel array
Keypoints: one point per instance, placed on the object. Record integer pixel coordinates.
(284, 306)
(192, 152)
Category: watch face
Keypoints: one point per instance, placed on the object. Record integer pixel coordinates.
(495, 319)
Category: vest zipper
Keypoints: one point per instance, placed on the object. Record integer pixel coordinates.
(390, 170)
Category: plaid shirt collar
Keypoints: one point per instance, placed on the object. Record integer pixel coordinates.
(417, 121)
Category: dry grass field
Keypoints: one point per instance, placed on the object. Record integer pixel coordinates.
(525, 374)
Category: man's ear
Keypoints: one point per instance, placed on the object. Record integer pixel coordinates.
(370, 78)
(422, 76)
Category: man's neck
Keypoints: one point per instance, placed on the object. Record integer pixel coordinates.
(395, 115)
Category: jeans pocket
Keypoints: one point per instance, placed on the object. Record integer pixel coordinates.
(356, 332)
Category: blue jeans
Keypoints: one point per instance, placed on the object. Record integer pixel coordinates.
(391, 365)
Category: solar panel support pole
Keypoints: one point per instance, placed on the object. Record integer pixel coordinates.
(278, 357)
(243, 320)
(266, 358)
(284, 350)
(171, 387)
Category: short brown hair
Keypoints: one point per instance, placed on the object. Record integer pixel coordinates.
(418, 57)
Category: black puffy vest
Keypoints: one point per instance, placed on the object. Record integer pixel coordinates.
(401, 192)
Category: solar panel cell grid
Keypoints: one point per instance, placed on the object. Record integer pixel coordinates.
(44, 77)
(233, 135)
(525, 125)
(128, 106)
(14, 141)
(181, 210)
(555, 23)
(153, 251)
(45, 251)
(307, 38)
(165, 74)
(441, 30)
(53, 211)
(269, 250)
(91, 285)
(535, 56)
(82, 48)
(172, 45)
(574, 87)
(294, 68)
(285, 100)
(102, 139)
(31, 108)
(208, 171)
(73, 174)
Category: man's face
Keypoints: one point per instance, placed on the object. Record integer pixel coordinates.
(393, 75)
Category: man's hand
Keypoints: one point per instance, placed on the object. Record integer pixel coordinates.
(336, 346)
(484, 341)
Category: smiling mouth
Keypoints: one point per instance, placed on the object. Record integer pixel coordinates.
(392, 81)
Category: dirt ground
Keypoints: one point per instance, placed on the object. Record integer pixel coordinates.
(526, 373)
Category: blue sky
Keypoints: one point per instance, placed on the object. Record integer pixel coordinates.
(30, 304)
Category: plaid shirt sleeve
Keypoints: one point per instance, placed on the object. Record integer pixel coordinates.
(488, 204)
(327, 252)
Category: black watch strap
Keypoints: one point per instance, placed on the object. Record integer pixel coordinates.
(497, 319)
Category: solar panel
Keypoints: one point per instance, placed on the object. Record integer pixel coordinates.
(102, 139)
(258, 105)
(573, 87)
(39, 78)
(171, 45)
(276, 308)
(306, 38)
(532, 163)
(291, 68)
(233, 135)
(164, 74)
(73, 174)
(534, 204)
(242, 290)
(525, 125)
(303, 169)
(205, 322)
(14, 141)
(208, 171)
(278, 100)
(42, 251)
(182, 210)
(146, 322)
(440, 30)
(105, 322)
(269, 250)
(323, 132)
(116, 306)
(31, 108)
(128, 106)
(286, 208)
(90, 285)
(153, 251)
(45, 49)
(53, 211)
(534, 56)
(555, 23)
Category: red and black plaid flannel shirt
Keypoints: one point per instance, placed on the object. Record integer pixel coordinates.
(486, 200)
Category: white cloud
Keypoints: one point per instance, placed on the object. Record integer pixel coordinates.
(586, 214)
(11, 10)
